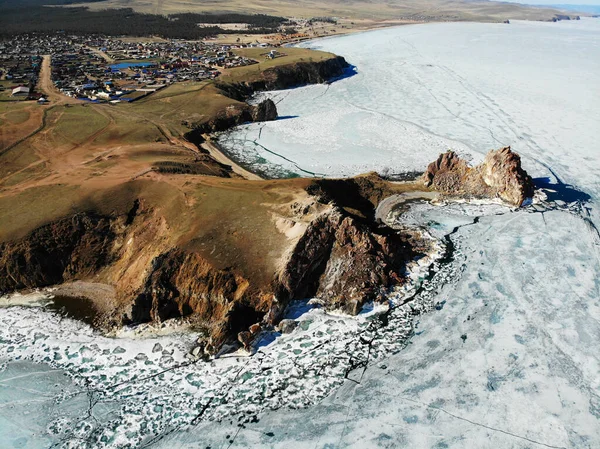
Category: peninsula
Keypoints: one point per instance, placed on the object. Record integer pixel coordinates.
(130, 201)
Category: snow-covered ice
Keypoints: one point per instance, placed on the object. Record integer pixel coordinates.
(498, 347)
(509, 361)
(421, 90)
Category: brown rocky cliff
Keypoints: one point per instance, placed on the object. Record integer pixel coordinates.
(183, 283)
(365, 260)
(71, 248)
(500, 175)
(344, 262)
(446, 173)
(343, 259)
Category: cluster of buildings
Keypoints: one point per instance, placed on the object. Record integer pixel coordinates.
(19, 69)
(106, 69)
(100, 68)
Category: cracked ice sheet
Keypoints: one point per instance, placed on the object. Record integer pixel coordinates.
(525, 376)
(421, 90)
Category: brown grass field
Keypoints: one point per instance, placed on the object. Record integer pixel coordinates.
(70, 156)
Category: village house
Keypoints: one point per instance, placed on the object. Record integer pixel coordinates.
(20, 91)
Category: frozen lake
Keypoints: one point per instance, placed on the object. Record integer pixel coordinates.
(421, 90)
(500, 349)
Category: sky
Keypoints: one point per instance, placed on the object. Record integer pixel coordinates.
(556, 2)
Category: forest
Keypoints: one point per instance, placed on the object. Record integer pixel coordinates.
(34, 16)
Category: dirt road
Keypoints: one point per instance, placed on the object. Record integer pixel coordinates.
(46, 85)
(100, 53)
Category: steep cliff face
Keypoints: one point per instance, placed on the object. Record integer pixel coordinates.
(345, 262)
(500, 175)
(300, 73)
(182, 283)
(340, 256)
(365, 261)
(287, 76)
(339, 260)
(74, 247)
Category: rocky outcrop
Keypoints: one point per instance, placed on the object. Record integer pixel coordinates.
(344, 262)
(365, 261)
(502, 172)
(500, 175)
(234, 115)
(265, 111)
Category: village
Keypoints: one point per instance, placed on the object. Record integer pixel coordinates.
(104, 69)
(99, 68)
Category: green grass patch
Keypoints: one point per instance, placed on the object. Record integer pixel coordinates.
(34, 207)
(28, 174)
(185, 103)
(78, 123)
(16, 159)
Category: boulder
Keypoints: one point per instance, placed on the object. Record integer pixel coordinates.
(265, 111)
(287, 326)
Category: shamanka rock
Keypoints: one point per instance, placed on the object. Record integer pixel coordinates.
(500, 175)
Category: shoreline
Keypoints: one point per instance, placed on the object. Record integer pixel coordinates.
(215, 152)
(314, 44)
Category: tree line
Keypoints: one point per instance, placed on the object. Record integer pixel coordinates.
(32, 16)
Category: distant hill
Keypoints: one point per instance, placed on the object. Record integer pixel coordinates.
(419, 10)
(42, 16)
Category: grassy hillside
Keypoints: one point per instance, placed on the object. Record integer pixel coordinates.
(54, 158)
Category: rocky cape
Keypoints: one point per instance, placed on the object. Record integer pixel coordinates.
(275, 78)
(225, 253)
(330, 247)
(335, 251)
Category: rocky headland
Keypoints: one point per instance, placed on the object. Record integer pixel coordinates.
(323, 239)
(192, 240)
(274, 78)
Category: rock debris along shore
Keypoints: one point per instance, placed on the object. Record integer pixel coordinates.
(339, 253)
